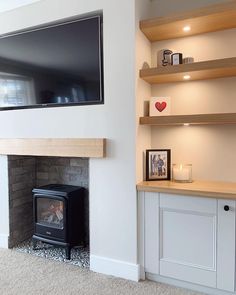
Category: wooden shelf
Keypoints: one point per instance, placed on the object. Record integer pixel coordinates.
(210, 69)
(208, 19)
(55, 147)
(212, 189)
(201, 119)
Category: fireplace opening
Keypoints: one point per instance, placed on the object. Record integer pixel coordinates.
(28, 172)
(59, 216)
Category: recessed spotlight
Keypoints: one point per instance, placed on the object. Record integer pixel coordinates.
(186, 28)
(186, 77)
(186, 124)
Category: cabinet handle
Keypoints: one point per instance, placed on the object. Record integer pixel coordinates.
(226, 208)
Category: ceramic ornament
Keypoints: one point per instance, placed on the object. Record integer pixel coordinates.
(164, 57)
(159, 106)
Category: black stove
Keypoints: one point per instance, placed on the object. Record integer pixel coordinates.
(59, 215)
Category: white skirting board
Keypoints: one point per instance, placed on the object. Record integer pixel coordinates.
(186, 285)
(3, 241)
(117, 268)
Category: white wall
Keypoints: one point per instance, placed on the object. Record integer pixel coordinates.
(112, 180)
(13, 4)
(211, 149)
(143, 89)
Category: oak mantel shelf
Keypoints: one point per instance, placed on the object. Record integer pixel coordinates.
(211, 189)
(204, 20)
(58, 147)
(196, 119)
(211, 69)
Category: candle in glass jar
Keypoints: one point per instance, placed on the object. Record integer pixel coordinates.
(182, 173)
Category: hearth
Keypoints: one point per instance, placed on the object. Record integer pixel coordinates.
(59, 215)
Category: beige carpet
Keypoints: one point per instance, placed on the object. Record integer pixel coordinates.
(25, 274)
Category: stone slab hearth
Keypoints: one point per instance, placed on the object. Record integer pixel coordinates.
(79, 255)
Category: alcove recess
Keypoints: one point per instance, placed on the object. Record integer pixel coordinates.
(208, 19)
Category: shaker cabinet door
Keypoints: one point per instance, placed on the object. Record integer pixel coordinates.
(226, 245)
(188, 234)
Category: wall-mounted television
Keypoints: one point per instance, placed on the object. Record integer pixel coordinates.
(59, 64)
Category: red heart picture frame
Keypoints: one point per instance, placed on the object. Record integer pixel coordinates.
(160, 106)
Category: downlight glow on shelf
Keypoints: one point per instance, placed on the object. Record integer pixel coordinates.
(186, 77)
(186, 29)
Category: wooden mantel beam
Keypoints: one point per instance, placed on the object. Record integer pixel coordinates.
(54, 147)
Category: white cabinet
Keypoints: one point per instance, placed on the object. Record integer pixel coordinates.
(151, 233)
(190, 238)
(226, 245)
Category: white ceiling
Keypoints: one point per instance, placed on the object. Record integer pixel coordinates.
(6, 5)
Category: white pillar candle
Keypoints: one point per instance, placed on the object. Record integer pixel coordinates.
(182, 173)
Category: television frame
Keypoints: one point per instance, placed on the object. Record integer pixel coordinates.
(59, 23)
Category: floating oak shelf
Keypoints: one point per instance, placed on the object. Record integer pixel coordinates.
(208, 19)
(210, 69)
(201, 119)
(55, 147)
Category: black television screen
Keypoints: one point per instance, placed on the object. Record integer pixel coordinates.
(55, 65)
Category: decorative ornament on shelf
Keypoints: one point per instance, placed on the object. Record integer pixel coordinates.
(167, 57)
(164, 57)
(176, 59)
(159, 106)
(182, 172)
(188, 60)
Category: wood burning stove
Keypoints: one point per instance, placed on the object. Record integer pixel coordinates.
(59, 215)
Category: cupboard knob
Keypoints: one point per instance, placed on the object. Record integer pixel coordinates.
(226, 208)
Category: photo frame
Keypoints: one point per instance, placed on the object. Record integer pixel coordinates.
(158, 164)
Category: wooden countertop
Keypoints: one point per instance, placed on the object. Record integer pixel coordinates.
(211, 189)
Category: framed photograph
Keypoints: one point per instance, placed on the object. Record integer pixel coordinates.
(157, 165)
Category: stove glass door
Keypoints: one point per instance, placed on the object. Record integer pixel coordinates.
(50, 212)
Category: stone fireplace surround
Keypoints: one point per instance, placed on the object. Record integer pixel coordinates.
(29, 163)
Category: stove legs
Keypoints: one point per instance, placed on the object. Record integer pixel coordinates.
(34, 243)
(68, 251)
(67, 248)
